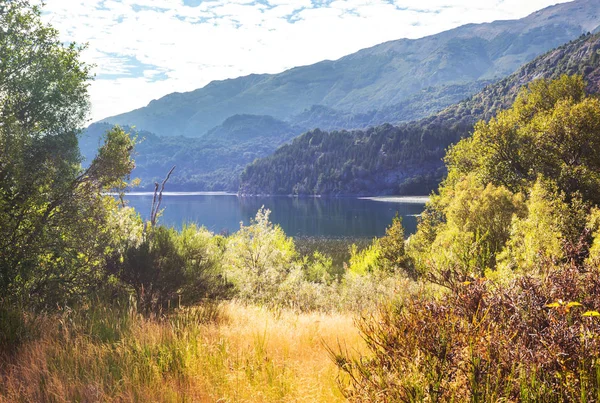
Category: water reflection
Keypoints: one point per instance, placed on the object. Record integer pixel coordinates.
(299, 217)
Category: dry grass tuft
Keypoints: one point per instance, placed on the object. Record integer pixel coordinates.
(244, 354)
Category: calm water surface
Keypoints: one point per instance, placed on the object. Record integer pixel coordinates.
(299, 217)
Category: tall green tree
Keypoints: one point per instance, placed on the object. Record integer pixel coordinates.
(393, 252)
(524, 181)
(552, 130)
(52, 213)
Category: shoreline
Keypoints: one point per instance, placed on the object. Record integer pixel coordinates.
(398, 199)
(385, 199)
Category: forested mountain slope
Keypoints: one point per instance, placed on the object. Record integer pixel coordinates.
(211, 162)
(454, 63)
(406, 159)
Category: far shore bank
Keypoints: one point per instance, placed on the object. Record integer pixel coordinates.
(386, 198)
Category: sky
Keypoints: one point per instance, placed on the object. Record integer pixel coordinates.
(145, 49)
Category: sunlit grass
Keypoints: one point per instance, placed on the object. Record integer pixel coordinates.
(248, 354)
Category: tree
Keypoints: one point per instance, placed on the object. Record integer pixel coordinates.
(476, 228)
(53, 215)
(537, 239)
(166, 267)
(393, 253)
(525, 180)
(551, 131)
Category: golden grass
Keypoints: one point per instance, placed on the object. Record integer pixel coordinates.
(250, 355)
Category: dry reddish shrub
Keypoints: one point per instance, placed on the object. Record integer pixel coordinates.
(482, 341)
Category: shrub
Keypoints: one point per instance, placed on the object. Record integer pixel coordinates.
(365, 261)
(531, 340)
(319, 268)
(593, 228)
(168, 268)
(476, 226)
(262, 263)
(545, 234)
(258, 258)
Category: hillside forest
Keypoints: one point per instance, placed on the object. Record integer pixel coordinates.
(405, 159)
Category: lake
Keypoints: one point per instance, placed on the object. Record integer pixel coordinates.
(299, 217)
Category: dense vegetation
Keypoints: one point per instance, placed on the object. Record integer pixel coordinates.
(65, 240)
(494, 298)
(54, 219)
(406, 159)
(98, 305)
(513, 238)
(388, 78)
(382, 160)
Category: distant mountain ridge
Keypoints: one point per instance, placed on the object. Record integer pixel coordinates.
(426, 103)
(380, 78)
(405, 159)
(211, 162)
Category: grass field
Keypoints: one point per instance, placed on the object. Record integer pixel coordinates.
(234, 354)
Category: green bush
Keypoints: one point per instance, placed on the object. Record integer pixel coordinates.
(168, 268)
(475, 229)
(392, 245)
(15, 328)
(519, 190)
(258, 258)
(513, 236)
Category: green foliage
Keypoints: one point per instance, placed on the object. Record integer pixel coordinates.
(258, 258)
(44, 84)
(393, 250)
(319, 268)
(213, 161)
(54, 216)
(202, 254)
(537, 239)
(418, 245)
(513, 237)
(113, 164)
(542, 150)
(475, 228)
(380, 160)
(265, 268)
(593, 228)
(61, 240)
(367, 260)
(336, 249)
(166, 267)
(407, 159)
(549, 131)
(383, 257)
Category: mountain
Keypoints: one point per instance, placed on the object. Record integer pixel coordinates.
(405, 159)
(383, 77)
(211, 162)
(425, 103)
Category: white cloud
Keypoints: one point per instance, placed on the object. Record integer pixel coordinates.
(145, 49)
